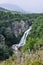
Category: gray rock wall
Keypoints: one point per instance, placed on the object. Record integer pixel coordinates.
(19, 27)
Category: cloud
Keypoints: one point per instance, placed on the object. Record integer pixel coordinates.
(3, 1)
(27, 5)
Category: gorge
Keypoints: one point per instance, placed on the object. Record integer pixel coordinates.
(23, 40)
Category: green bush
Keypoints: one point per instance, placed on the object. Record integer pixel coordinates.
(5, 53)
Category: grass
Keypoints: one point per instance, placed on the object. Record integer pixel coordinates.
(36, 59)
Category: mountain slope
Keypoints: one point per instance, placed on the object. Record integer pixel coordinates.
(12, 7)
(35, 39)
(1, 9)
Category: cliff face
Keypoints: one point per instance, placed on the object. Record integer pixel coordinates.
(19, 27)
(13, 30)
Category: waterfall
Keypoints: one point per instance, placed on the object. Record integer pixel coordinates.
(23, 39)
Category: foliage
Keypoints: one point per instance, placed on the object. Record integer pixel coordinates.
(6, 19)
(35, 38)
(5, 52)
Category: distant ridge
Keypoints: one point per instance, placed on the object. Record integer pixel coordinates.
(12, 7)
(2, 9)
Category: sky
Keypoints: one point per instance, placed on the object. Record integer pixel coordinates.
(27, 5)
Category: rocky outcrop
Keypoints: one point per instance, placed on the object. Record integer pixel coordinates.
(19, 27)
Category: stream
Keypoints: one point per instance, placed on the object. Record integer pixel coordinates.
(23, 40)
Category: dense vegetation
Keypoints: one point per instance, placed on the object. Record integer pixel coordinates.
(35, 38)
(6, 19)
(5, 52)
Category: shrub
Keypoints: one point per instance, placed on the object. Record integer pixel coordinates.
(4, 52)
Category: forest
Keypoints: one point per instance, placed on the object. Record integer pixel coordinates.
(34, 40)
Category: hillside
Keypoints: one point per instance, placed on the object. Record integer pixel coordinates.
(12, 27)
(35, 39)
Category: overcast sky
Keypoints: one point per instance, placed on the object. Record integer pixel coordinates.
(27, 5)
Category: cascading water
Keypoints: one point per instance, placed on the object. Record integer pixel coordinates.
(23, 40)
